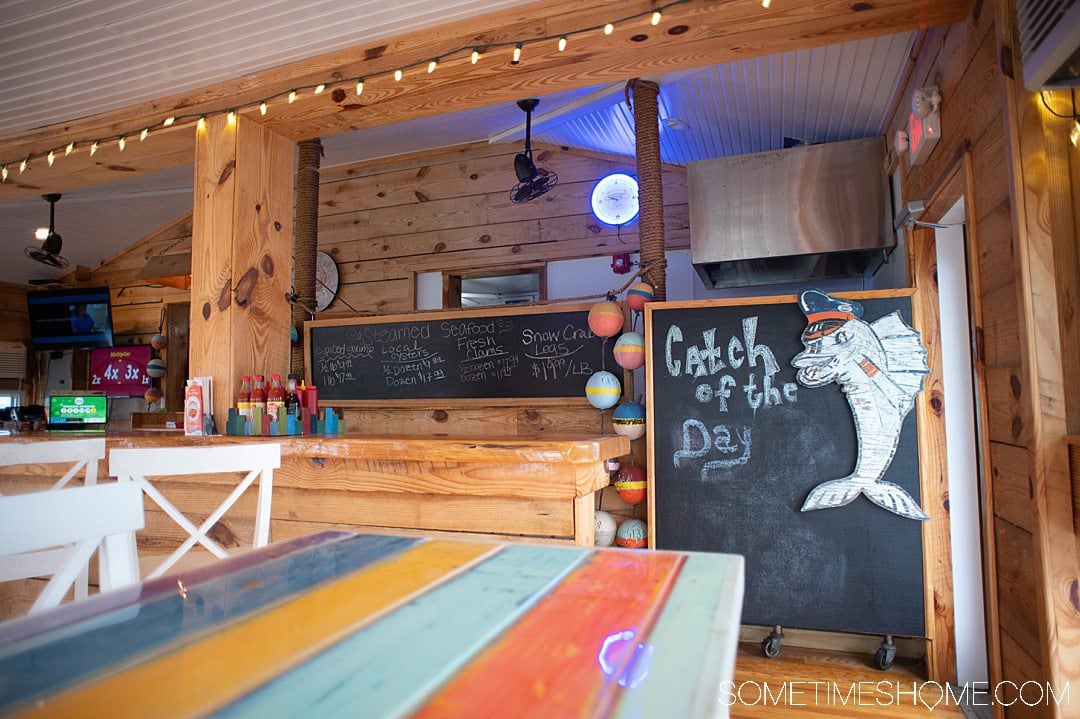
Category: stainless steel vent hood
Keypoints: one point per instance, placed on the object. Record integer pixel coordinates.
(801, 214)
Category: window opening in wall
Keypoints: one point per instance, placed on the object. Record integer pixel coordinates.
(497, 286)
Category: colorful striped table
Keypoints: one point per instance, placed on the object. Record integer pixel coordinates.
(359, 625)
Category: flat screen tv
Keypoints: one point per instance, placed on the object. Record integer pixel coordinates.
(70, 318)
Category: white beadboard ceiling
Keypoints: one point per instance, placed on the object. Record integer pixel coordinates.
(61, 59)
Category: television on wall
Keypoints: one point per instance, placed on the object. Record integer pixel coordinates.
(75, 318)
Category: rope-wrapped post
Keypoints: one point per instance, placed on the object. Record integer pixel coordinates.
(305, 243)
(650, 185)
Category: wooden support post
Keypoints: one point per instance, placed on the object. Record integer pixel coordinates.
(305, 244)
(650, 185)
(240, 259)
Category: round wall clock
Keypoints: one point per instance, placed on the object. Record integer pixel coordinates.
(326, 281)
(615, 199)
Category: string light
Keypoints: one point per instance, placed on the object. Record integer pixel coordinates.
(765, 3)
(655, 15)
(1074, 133)
(3, 174)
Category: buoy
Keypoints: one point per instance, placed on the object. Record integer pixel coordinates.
(630, 350)
(633, 533)
(605, 319)
(156, 367)
(629, 420)
(159, 342)
(603, 390)
(605, 529)
(152, 395)
(630, 484)
(638, 295)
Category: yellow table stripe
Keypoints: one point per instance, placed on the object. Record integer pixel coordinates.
(199, 677)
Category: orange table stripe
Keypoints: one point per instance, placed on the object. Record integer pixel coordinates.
(547, 664)
(198, 677)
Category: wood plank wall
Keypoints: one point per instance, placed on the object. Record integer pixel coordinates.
(15, 327)
(973, 160)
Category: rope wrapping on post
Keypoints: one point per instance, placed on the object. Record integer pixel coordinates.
(305, 243)
(650, 182)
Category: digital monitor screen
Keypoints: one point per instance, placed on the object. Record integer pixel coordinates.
(70, 318)
(77, 411)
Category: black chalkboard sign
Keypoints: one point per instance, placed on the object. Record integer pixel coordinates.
(737, 446)
(495, 355)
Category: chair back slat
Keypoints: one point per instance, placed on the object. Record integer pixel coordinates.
(162, 461)
(39, 520)
(52, 452)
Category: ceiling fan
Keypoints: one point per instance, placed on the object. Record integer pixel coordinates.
(48, 253)
(533, 181)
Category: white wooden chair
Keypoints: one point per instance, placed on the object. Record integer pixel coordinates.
(258, 460)
(83, 456)
(101, 516)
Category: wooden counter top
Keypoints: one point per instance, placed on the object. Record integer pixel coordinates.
(554, 448)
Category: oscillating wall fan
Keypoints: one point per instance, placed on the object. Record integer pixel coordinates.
(533, 181)
(48, 252)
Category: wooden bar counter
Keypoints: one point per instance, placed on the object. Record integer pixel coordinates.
(538, 489)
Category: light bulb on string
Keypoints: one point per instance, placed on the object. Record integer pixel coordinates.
(292, 96)
(201, 124)
(51, 158)
(93, 149)
(397, 75)
(262, 108)
(562, 43)
(517, 54)
(360, 86)
(121, 143)
(432, 65)
(69, 149)
(23, 164)
(143, 134)
(475, 56)
(168, 121)
(657, 17)
(319, 88)
(3, 174)
(231, 117)
(608, 29)
(765, 4)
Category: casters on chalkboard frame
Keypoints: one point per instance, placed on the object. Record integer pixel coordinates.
(885, 654)
(770, 645)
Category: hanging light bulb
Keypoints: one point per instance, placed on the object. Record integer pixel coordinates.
(1074, 133)
(121, 143)
(69, 148)
(319, 89)
(765, 4)
(608, 29)
(475, 55)
(231, 117)
(292, 96)
(23, 164)
(262, 108)
(143, 134)
(93, 149)
(3, 174)
(562, 43)
(397, 75)
(201, 124)
(432, 65)
(51, 158)
(168, 121)
(517, 54)
(359, 86)
(41, 234)
(657, 17)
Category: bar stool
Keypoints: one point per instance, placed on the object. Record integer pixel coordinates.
(82, 455)
(258, 460)
(99, 518)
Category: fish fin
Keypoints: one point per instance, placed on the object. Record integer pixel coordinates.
(893, 498)
(835, 493)
(904, 350)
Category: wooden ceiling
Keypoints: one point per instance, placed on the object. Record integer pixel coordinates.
(692, 34)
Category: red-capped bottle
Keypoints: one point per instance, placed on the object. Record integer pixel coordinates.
(275, 399)
(258, 394)
(243, 397)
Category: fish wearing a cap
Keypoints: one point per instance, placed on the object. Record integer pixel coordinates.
(880, 367)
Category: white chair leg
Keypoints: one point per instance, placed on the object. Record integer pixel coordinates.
(118, 561)
(58, 586)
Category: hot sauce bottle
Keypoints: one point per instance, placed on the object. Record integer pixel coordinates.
(292, 399)
(243, 397)
(258, 394)
(275, 399)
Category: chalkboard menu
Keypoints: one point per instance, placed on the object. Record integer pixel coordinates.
(498, 354)
(737, 446)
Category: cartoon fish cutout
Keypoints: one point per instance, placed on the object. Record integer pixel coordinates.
(880, 367)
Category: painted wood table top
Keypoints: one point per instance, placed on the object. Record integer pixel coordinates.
(358, 625)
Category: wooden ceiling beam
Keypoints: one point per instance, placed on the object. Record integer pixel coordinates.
(715, 31)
